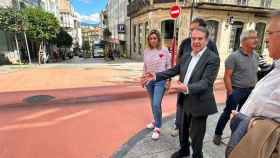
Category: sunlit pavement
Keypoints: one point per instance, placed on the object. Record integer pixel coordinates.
(74, 111)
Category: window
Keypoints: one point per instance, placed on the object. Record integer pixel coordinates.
(266, 3)
(7, 41)
(167, 29)
(146, 32)
(140, 39)
(213, 27)
(260, 28)
(215, 1)
(3, 42)
(242, 2)
(134, 36)
(236, 30)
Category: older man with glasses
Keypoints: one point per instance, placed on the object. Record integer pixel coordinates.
(240, 78)
(264, 100)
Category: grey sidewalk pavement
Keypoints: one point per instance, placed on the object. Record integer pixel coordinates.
(142, 146)
(76, 63)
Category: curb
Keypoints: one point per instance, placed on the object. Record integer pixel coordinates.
(94, 98)
(125, 148)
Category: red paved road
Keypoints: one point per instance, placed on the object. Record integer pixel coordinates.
(79, 123)
(74, 125)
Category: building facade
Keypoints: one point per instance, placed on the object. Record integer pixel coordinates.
(70, 21)
(225, 18)
(117, 23)
(92, 34)
(50, 6)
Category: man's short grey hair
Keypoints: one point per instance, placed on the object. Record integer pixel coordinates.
(204, 30)
(245, 34)
(275, 14)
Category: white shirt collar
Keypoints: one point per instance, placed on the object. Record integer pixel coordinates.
(199, 54)
(277, 63)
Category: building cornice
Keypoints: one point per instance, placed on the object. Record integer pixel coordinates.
(236, 8)
(260, 11)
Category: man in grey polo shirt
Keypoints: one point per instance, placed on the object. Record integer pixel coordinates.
(240, 78)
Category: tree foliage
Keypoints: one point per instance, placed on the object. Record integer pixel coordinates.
(106, 33)
(40, 25)
(63, 39)
(11, 20)
(86, 46)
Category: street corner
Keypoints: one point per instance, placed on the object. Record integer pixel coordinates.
(142, 145)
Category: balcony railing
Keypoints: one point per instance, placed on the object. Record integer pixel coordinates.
(136, 5)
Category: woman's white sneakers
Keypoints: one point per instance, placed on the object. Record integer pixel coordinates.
(156, 133)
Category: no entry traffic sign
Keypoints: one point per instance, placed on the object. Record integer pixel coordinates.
(175, 11)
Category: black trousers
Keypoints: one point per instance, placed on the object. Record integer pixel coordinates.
(179, 113)
(193, 127)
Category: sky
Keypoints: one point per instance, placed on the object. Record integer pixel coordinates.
(89, 9)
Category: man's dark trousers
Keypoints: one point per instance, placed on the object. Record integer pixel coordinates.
(179, 113)
(195, 127)
(236, 99)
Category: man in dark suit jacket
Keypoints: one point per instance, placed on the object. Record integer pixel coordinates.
(197, 72)
(185, 47)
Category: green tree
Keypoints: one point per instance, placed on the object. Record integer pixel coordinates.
(86, 48)
(11, 20)
(106, 33)
(63, 39)
(40, 26)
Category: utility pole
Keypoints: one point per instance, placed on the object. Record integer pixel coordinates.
(25, 38)
(192, 10)
(17, 6)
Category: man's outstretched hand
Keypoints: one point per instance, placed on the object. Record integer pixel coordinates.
(147, 77)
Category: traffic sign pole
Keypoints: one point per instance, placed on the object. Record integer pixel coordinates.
(174, 13)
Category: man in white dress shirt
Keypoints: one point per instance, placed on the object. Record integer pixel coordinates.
(264, 100)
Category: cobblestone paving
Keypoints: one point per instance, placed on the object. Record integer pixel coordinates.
(166, 145)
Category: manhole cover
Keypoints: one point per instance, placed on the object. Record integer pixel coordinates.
(38, 99)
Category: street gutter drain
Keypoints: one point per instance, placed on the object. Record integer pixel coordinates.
(38, 99)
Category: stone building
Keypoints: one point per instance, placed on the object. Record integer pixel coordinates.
(70, 21)
(225, 18)
(116, 12)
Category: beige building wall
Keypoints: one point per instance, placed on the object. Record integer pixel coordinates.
(160, 12)
(64, 6)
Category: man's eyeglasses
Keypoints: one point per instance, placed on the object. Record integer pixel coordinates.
(253, 38)
(271, 32)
